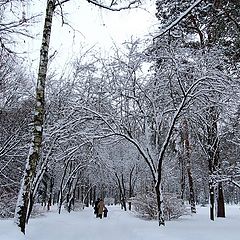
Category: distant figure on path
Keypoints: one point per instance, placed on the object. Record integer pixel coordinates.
(100, 207)
(105, 211)
(96, 207)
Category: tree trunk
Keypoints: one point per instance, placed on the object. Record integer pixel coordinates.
(22, 208)
(50, 199)
(213, 153)
(220, 202)
(30, 207)
(121, 191)
(124, 194)
(158, 190)
(187, 156)
(182, 178)
(191, 191)
(60, 192)
(130, 189)
(94, 195)
(212, 198)
(91, 196)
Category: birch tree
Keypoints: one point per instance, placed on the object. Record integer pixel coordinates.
(22, 208)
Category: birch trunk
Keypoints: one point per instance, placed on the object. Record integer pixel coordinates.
(22, 208)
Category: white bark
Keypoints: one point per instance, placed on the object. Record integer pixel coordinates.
(24, 197)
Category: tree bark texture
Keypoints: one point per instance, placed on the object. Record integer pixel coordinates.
(22, 208)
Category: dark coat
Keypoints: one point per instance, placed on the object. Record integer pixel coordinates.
(96, 206)
(105, 211)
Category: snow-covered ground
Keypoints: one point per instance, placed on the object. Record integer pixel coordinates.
(120, 225)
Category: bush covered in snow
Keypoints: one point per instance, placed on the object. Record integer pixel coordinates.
(145, 206)
(173, 206)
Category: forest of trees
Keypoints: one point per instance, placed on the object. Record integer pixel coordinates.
(154, 126)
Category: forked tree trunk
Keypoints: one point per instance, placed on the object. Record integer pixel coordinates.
(213, 161)
(60, 192)
(22, 208)
(122, 191)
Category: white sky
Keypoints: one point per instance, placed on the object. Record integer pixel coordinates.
(94, 26)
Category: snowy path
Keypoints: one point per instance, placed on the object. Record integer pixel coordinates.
(122, 225)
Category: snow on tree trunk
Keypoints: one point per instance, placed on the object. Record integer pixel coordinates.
(211, 192)
(61, 187)
(158, 190)
(22, 208)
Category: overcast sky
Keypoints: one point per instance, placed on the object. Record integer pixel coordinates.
(92, 26)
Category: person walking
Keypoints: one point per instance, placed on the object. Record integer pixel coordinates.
(105, 211)
(100, 207)
(96, 207)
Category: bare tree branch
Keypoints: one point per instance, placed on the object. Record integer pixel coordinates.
(133, 4)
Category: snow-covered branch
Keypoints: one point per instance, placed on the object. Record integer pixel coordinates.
(179, 19)
(132, 4)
